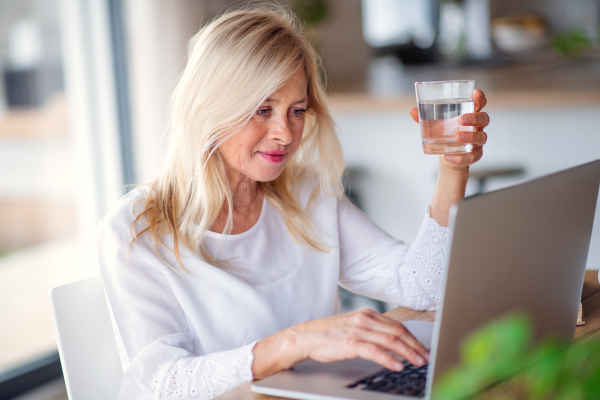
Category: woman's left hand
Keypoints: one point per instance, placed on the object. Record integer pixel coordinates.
(454, 168)
(478, 120)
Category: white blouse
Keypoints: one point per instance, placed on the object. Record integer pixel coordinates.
(190, 335)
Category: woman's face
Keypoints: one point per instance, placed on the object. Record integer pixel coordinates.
(268, 142)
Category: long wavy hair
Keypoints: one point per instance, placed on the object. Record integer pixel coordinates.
(235, 62)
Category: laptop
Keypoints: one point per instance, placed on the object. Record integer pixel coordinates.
(523, 248)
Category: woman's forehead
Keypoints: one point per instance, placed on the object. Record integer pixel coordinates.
(293, 91)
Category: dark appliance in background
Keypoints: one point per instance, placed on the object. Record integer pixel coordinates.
(459, 31)
(31, 87)
(409, 53)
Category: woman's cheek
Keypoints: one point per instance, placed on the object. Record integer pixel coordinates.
(299, 132)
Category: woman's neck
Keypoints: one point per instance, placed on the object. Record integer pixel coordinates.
(247, 205)
(246, 193)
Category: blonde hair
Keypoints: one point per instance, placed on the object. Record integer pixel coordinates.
(234, 63)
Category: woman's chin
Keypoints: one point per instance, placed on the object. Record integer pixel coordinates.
(268, 178)
(267, 175)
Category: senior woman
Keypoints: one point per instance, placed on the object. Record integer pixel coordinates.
(225, 269)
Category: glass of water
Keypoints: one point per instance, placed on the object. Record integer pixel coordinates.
(440, 104)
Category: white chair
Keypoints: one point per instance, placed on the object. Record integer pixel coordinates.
(86, 343)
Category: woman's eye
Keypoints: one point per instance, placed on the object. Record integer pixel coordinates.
(298, 112)
(263, 112)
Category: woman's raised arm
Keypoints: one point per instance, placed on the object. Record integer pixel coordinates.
(454, 168)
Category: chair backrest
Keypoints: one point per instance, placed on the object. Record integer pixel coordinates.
(86, 343)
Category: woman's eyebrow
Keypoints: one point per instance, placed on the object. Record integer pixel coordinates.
(302, 100)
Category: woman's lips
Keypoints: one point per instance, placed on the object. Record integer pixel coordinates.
(274, 157)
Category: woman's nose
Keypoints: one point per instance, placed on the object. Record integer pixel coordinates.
(280, 131)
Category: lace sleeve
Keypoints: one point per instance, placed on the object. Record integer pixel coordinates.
(203, 377)
(376, 265)
(421, 273)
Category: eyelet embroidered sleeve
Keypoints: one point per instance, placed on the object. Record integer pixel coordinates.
(158, 349)
(204, 377)
(199, 378)
(376, 265)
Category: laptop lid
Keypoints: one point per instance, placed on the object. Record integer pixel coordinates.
(521, 248)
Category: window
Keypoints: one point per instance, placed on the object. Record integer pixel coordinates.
(62, 118)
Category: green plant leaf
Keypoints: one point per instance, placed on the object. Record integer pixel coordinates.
(580, 376)
(544, 369)
(492, 353)
(571, 43)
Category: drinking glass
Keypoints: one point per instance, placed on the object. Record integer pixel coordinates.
(440, 104)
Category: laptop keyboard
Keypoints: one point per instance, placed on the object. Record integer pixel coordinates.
(410, 381)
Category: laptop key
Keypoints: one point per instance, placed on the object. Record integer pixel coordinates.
(410, 381)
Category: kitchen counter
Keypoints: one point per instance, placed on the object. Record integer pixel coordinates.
(543, 81)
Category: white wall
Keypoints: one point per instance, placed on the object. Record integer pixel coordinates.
(157, 36)
(399, 179)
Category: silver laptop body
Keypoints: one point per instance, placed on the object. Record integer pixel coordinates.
(522, 248)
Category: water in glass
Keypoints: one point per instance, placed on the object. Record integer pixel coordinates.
(439, 124)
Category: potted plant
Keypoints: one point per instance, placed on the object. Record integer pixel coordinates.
(499, 361)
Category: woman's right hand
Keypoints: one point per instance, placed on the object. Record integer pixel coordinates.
(364, 333)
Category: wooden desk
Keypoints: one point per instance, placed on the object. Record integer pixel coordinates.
(590, 297)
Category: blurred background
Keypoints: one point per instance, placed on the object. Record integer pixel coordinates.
(84, 92)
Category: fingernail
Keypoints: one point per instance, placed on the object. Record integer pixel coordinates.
(450, 158)
(462, 136)
(398, 366)
(420, 360)
(466, 119)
